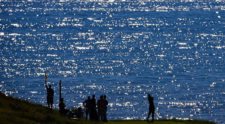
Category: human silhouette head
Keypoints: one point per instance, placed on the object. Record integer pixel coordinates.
(101, 97)
(150, 97)
(104, 96)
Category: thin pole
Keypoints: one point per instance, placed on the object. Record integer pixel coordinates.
(60, 89)
(46, 78)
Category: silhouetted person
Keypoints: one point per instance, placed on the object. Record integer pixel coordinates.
(79, 113)
(50, 96)
(151, 107)
(62, 106)
(105, 104)
(87, 106)
(100, 105)
(93, 112)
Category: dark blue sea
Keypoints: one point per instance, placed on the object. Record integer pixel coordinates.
(174, 50)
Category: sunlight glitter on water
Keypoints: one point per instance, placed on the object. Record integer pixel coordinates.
(123, 49)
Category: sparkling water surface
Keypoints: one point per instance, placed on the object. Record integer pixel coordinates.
(125, 49)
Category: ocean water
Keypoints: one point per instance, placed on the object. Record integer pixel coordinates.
(125, 49)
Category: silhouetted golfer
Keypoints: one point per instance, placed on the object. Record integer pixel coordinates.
(87, 106)
(151, 107)
(50, 95)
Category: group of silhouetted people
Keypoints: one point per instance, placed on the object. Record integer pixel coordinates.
(93, 110)
(96, 110)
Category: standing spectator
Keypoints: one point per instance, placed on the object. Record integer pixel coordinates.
(50, 93)
(50, 96)
(87, 106)
(100, 105)
(62, 106)
(105, 104)
(93, 112)
(151, 107)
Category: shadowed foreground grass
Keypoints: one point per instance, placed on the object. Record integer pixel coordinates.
(15, 111)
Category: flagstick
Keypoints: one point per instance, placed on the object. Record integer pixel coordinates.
(46, 79)
(60, 90)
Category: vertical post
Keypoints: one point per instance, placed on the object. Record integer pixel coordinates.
(46, 79)
(60, 90)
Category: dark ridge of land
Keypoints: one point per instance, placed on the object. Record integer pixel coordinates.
(16, 111)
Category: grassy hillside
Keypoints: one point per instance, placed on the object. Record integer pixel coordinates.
(15, 111)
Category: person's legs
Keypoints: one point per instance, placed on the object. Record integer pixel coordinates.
(105, 116)
(153, 114)
(148, 115)
(48, 101)
(86, 114)
(51, 105)
(51, 102)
